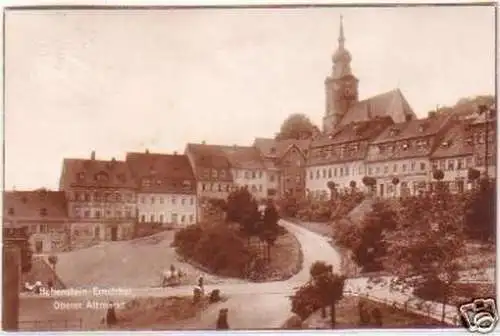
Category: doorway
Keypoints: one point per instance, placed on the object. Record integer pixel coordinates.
(39, 246)
(381, 190)
(114, 233)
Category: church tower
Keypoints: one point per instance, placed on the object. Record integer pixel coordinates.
(341, 86)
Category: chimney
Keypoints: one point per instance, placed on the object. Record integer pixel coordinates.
(431, 114)
(147, 151)
(175, 153)
(113, 160)
(92, 155)
(203, 142)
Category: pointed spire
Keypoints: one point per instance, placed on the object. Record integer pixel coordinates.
(341, 33)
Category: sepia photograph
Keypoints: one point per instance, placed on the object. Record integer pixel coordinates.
(249, 168)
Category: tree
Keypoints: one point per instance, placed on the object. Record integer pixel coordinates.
(369, 182)
(324, 288)
(332, 186)
(438, 174)
(269, 229)
(395, 182)
(428, 243)
(473, 174)
(352, 184)
(242, 208)
(296, 126)
(480, 216)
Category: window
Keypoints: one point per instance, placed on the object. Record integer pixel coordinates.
(404, 168)
(118, 197)
(247, 175)
(146, 183)
(271, 177)
(81, 176)
(395, 168)
(346, 171)
(152, 200)
(86, 214)
(44, 228)
(317, 174)
(260, 187)
(422, 165)
(451, 164)
(152, 218)
(412, 166)
(377, 170)
(370, 171)
(118, 214)
(192, 200)
(460, 164)
(183, 218)
(97, 214)
(214, 173)
(206, 173)
(324, 173)
(311, 175)
(335, 172)
(260, 174)
(222, 173)
(108, 213)
(129, 214)
(191, 219)
(87, 197)
(173, 200)
(183, 201)
(203, 187)
(254, 175)
(330, 173)
(468, 162)
(96, 232)
(11, 211)
(442, 165)
(143, 200)
(161, 200)
(219, 187)
(161, 218)
(386, 169)
(341, 171)
(143, 218)
(360, 170)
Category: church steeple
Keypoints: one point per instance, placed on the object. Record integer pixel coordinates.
(341, 86)
(342, 57)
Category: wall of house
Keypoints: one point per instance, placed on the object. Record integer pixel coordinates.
(178, 209)
(255, 179)
(211, 189)
(317, 177)
(46, 235)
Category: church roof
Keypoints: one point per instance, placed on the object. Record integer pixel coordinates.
(277, 148)
(392, 104)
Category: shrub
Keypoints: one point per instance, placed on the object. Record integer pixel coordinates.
(187, 238)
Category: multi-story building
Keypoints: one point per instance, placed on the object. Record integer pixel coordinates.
(454, 156)
(248, 169)
(339, 157)
(483, 135)
(166, 188)
(403, 150)
(100, 197)
(212, 170)
(43, 213)
(285, 162)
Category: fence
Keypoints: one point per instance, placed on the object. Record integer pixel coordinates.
(51, 325)
(424, 308)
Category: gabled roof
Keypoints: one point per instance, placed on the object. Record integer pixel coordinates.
(271, 148)
(392, 104)
(414, 128)
(35, 204)
(454, 143)
(96, 174)
(354, 137)
(243, 157)
(206, 158)
(355, 131)
(165, 173)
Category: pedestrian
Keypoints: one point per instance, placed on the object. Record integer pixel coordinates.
(201, 284)
(111, 315)
(222, 323)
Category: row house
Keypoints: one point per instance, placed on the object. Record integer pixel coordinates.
(100, 198)
(166, 188)
(454, 156)
(403, 151)
(285, 161)
(211, 169)
(248, 169)
(482, 133)
(43, 213)
(339, 157)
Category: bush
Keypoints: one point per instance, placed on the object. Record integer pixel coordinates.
(218, 248)
(306, 301)
(430, 290)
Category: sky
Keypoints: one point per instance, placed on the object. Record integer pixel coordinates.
(126, 80)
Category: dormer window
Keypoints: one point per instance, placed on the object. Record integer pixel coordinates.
(11, 211)
(273, 150)
(24, 199)
(81, 176)
(43, 212)
(121, 177)
(446, 143)
(102, 177)
(214, 173)
(222, 174)
(393, 132)
(405, 146)
(158, 182)
(422, 127)
(146, 183)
